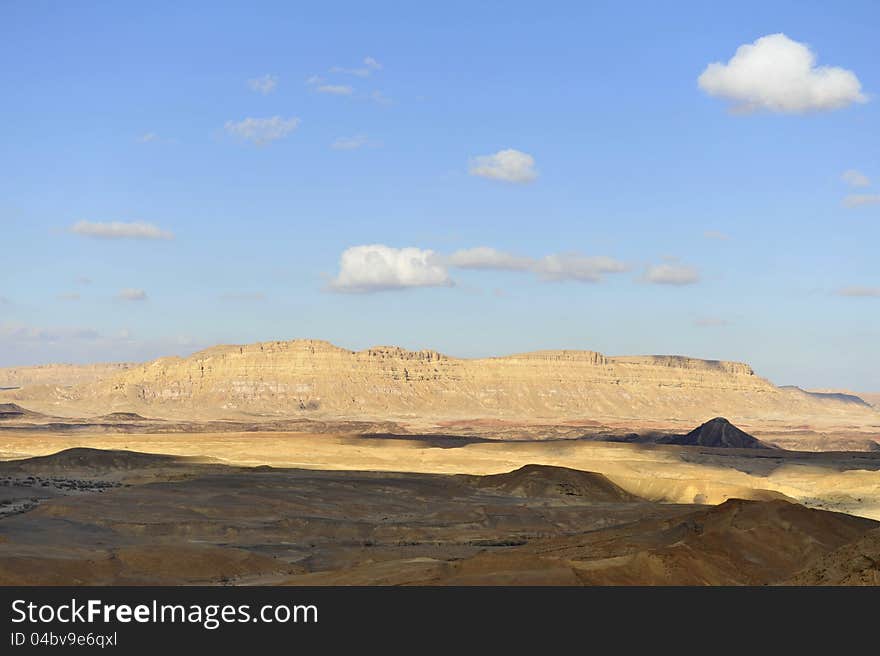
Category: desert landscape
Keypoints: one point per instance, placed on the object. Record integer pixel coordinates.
(498, 294)
(301, 463)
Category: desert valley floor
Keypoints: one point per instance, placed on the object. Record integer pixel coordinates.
(311, 508)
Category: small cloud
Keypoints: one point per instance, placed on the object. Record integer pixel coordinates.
(860, 200)
(855, 178)
(859, 292)
(264, 84)
(132, 295)
(314, 80)
(262, 131)
(83, 280)
(778, 74)
(376, 267)
(487, 258)
(242, 296)
(119, 230)
(336, 89)
(671, 273)
(380, 98)
(506, 165)
(372, 64)
(715, 234)
(148, 137)
(71, 296)
(712, 322)
(352, 143)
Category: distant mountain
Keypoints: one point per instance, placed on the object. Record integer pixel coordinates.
(315, 379)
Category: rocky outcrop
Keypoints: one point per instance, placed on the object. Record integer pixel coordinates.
(59, 374)
(718, 433)
(316, 378)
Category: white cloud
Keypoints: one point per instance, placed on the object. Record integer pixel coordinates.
(778, 74)
(377, 267)
(262, 131)
(858, 200)
(671, 273)
(485, 257)
(855, 178)
(119, 230)
(148, 137)
(506, 165)
(862, 292)
(380, 98)
(336, 89)
(573, 266)
(264, 84)
(351, 143)
(715, 234)
(132, 295)
(314, 79)
(372, 64)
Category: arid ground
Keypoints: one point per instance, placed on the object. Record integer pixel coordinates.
(306, 508)
(302, 463)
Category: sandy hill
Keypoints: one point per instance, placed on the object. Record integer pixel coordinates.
(316, 378)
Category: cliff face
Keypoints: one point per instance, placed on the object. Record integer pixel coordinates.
(307, 377)
(59, 374)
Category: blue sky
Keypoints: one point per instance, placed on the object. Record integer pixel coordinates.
(159, 193)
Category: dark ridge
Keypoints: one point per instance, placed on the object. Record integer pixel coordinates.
(718, 433)
(831, 396)
(15, 411)
(83, 458)
(552, 481)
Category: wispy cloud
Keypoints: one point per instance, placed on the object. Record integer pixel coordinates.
(855, 178)
(671, 273)
(860, 200)
(778, 74)
(487, 258)
(581, 268)
(119, 230)
(370, 65)
(265, 84)
(712, 322)
(131, 294)
(336, 89)
(715, 234)
(262, 131)
(508, 165)
(353, 143)
(148, 137)
(242, 296)
(69, 296)
(857, 291)
(380, 98)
